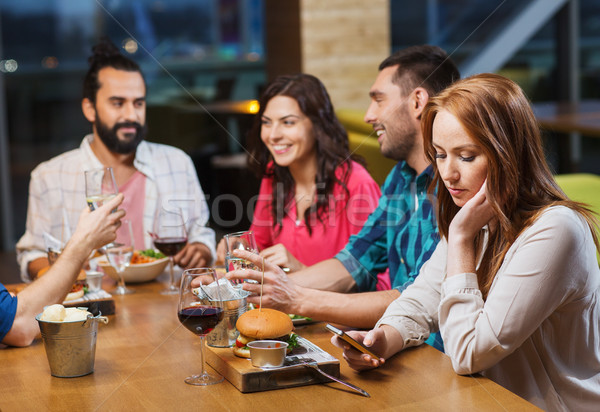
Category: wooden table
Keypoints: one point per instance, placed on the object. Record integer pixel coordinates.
(143, 355)
(562, 117)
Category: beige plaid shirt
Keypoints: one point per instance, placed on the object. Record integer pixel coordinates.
(57, 196)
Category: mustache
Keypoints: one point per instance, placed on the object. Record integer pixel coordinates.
(117, 126)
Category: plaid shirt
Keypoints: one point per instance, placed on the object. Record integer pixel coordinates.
(57, 196)
(400, 234)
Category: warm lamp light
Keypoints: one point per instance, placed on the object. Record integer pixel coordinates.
(253, 106)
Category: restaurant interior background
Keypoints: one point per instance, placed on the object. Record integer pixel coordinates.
(195, 53)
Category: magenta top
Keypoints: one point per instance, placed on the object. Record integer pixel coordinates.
(346, 216)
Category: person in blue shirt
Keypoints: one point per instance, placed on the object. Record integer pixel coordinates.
(18, 326)
(400, 234)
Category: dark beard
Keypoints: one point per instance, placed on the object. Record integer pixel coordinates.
(111, 140)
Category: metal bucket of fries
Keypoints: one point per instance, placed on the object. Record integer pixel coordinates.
(70, 346)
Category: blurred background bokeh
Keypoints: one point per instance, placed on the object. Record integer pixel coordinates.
(197, 54)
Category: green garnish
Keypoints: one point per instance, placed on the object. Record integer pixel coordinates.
(292, 341)
(299, 317)
(152, 253)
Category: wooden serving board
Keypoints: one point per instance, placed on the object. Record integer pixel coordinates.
(97, 303)
(95, 307)
(247, 378)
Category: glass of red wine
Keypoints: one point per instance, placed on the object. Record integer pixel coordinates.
(200, 313)
(170, 237)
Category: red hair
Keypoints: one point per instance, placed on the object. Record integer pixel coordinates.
(497, 115)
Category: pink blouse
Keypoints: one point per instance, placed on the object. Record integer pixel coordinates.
(347, 214)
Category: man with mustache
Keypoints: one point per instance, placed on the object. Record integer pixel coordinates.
(151, 176)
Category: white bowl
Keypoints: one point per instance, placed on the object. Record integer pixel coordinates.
(135, 273)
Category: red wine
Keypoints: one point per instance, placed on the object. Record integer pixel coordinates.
(201, 319)
(170, 246)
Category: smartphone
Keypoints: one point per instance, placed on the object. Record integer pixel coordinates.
(355, 344)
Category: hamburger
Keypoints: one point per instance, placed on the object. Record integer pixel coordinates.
(259, 324)
(78, 289)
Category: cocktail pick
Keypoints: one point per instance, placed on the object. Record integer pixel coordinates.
(262, 281)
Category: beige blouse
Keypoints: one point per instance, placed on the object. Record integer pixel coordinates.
(538, 332)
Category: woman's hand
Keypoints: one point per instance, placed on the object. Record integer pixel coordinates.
(280, 256)
(375, 340)
(473, 216)
(467, 223)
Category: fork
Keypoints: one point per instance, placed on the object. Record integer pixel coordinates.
(311, 363)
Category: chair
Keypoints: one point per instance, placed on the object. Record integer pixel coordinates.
(584, 188)
(581, 187)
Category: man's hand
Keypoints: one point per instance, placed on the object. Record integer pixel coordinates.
(193, 255)
(94, 229)
(280, 256)
(98, 228)
(279, 292)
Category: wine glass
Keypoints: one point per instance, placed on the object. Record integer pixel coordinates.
(100, 186)
(119, 254)
(200, 313)
(239, 241)
(170, 237)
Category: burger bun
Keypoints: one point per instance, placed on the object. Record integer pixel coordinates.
(258, 324)
(241, 352)
(264, 324)
(75, 295)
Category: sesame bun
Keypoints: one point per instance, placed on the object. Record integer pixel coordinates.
(264, 324)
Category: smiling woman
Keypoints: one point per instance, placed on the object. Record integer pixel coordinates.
(288, 135)
(314, 194)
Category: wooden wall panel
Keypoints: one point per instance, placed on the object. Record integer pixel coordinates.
(343, 42)
(340, 41)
